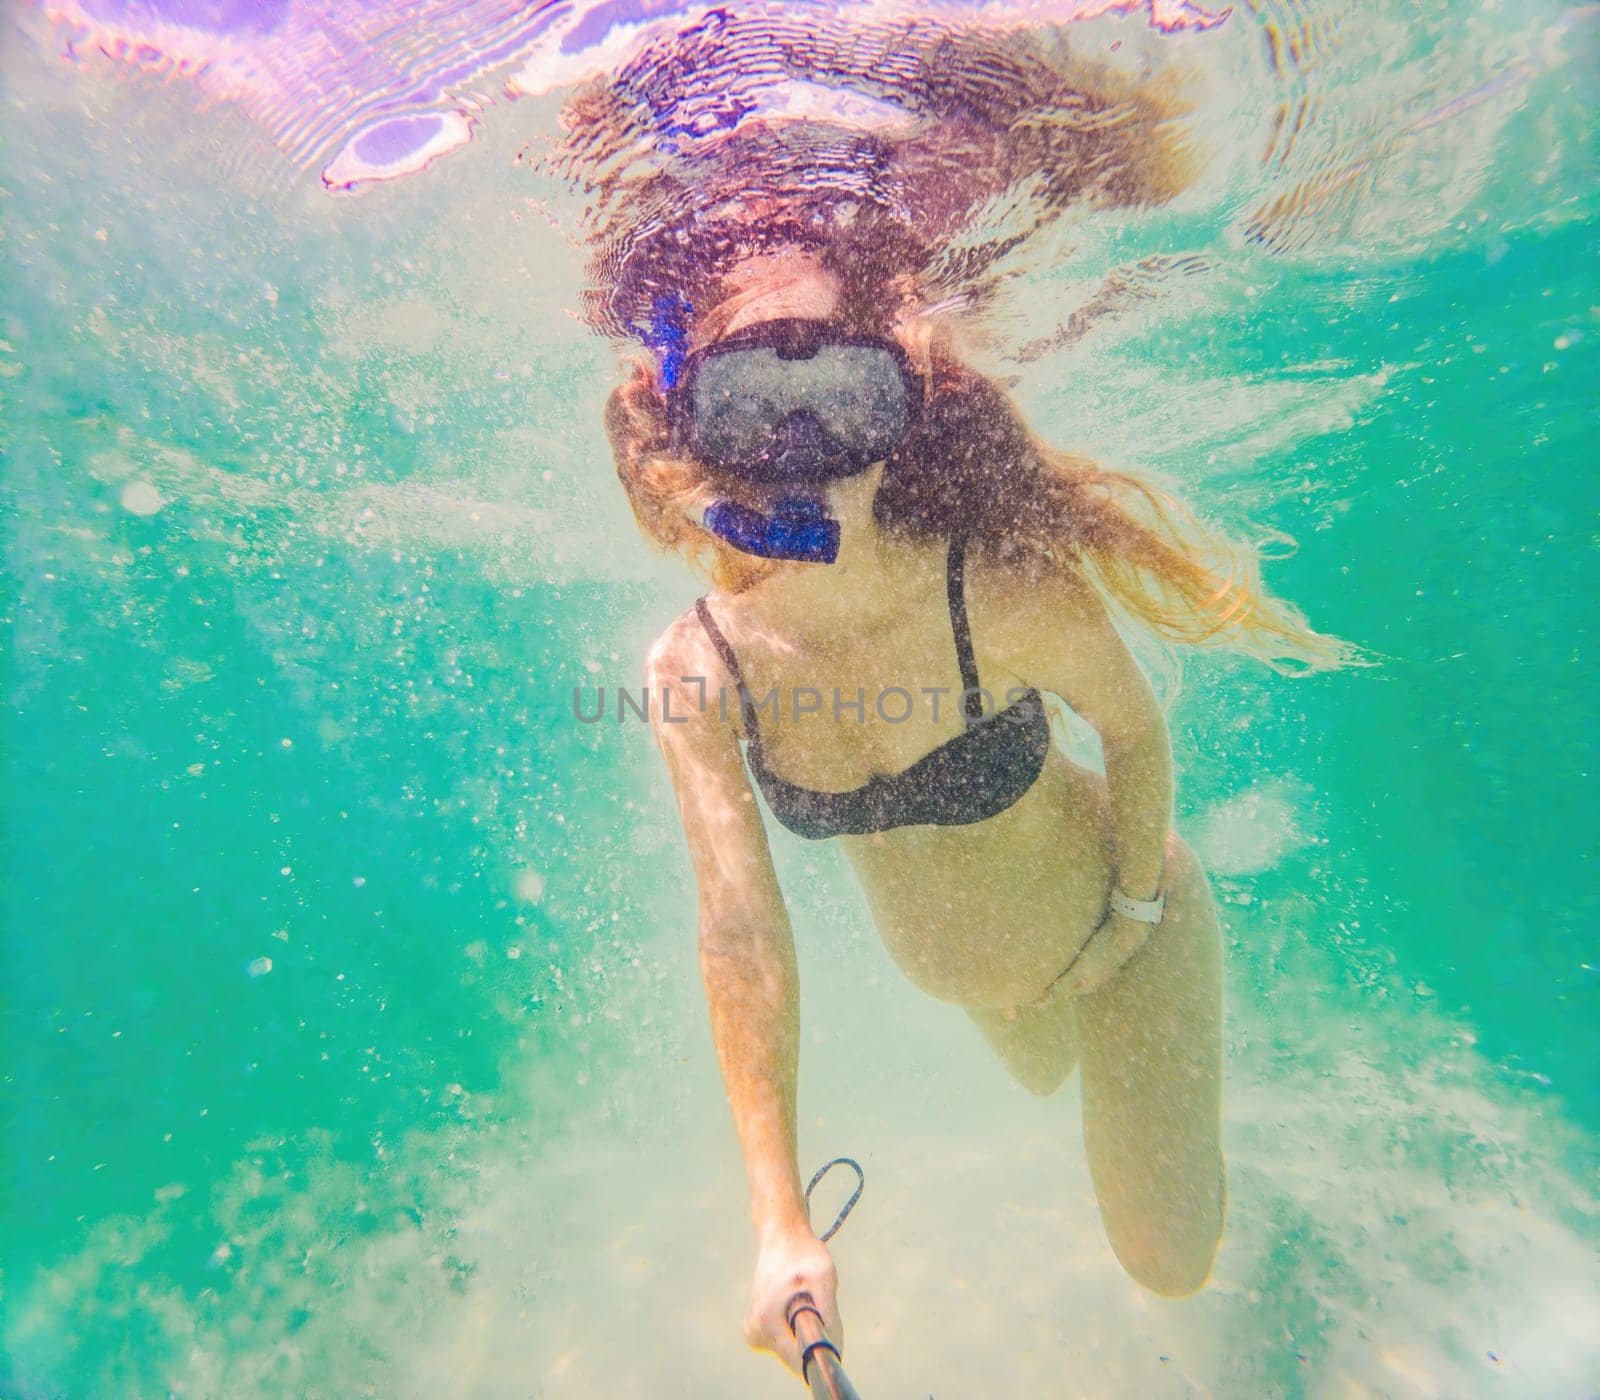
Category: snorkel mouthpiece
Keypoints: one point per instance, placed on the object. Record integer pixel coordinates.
(798, 528)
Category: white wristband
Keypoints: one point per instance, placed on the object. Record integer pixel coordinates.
(1144, 911)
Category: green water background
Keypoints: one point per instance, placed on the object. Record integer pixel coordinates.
(271, 721)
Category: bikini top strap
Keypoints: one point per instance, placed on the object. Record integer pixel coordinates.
(731, 661)
(955, 588)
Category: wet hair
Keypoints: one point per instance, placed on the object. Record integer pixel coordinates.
(971, 466)
(998, 133)
(1010, 131)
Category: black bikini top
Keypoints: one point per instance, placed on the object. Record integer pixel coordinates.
(969, 778)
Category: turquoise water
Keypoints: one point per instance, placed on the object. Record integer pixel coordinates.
(352, 1034)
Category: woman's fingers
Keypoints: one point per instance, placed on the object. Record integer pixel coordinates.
(787, 1342)
(768, 1330)
(1108, 948)
(832, 1323)
(788, 1347)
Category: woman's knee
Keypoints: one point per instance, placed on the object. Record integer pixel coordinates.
(1041, 1079)
(1173, 1257)
(1170, 1273)
(1175, 1265)
(1038, 1046)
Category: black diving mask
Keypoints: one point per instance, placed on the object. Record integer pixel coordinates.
(794, 402)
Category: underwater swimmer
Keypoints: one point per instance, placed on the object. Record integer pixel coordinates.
(878, 517)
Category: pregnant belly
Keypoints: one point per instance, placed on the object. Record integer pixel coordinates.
(988, 915)
(999, 951)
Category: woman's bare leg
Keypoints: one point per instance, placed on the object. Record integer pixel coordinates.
(1151, 1047)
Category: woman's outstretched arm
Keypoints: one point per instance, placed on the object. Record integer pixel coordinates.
(747, 961)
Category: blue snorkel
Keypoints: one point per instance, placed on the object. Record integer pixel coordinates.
(798, 528)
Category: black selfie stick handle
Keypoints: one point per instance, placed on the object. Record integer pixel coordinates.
(819, 1358)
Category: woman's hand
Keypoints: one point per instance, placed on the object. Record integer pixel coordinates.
(1116, 940)
(790, 1262)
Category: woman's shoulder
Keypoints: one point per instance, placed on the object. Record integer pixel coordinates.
(683, 662)
(686, 657)
(682, 647)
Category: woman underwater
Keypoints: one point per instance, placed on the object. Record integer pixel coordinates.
(1056, 906)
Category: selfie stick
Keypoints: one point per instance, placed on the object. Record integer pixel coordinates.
(819, 1358)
